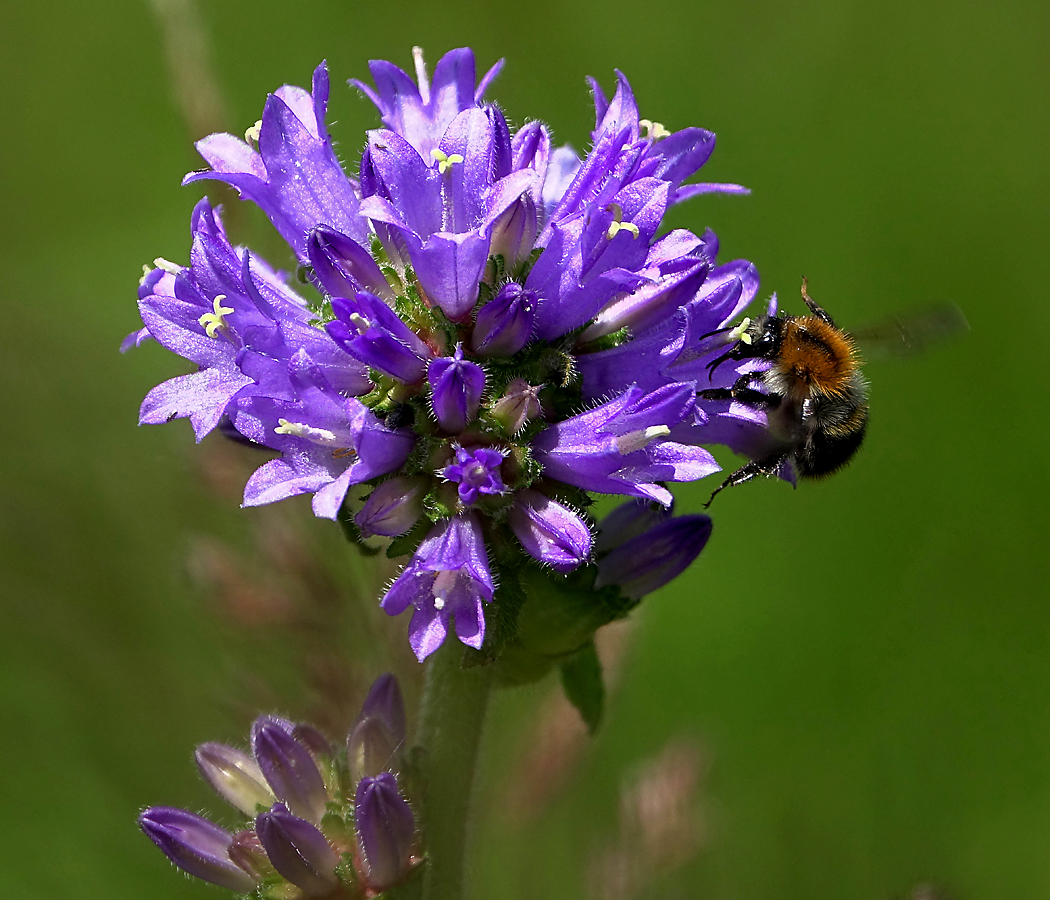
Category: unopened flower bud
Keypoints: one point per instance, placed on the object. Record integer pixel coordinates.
(627, 521)
(343, 266)
(642, 564)
(550, 532)
(379, 730)
(456, 385)
(514, 232)
(289, 768)
(246, 850)
(504, 324)
(385, 829)
(298, 851)
(196, 846)
(393, 507)
(519, 403)
(235, 776)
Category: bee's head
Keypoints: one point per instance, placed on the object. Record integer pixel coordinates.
(752, 339)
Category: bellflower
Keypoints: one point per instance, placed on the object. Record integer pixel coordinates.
(489, 331)
(293, 836)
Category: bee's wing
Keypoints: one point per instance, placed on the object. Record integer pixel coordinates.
(910, 333)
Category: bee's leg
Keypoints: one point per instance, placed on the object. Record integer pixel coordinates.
(815, 307)
(741, 392)
(768, 466)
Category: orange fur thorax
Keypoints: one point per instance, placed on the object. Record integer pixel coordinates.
(816, 357)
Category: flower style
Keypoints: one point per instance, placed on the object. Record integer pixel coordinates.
(314, 823)
(492, 330)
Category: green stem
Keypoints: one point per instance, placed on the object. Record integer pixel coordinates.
(451, 721)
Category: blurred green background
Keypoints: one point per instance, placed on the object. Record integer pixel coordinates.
(859, 669)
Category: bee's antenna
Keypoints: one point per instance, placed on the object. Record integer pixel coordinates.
(704, 337)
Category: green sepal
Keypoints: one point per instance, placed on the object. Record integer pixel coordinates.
(581, 677)
(563, 612)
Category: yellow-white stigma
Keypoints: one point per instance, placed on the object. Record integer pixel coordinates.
(617, 224)
(360, 322)
(445, 161)
(654, 130)
(443, 585)
(213, 321)
(740, 333)
(251, 135)
(308, 432)
(167, 265)
(636, 440)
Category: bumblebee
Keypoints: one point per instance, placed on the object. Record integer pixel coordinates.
(815, 396)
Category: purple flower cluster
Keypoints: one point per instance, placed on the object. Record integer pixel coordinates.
(498, 330)
(318, 821)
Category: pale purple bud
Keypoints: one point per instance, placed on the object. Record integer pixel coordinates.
(247, 851)
(289, 768)
(504, 324)
(393, 507)
(627, 521)
(312, 739)
(385, 828)
(549, 532)
(514, 232)
(456, 385)
(343, 266)
(196, 846)
(298, 851)
(235, 776)
(379, 730)
(519, 403)
(642, 564)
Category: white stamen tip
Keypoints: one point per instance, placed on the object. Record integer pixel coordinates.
(167, 265)
(308, 432)
(251, 135)
(213, 321)
(636, 440)
(360, 321)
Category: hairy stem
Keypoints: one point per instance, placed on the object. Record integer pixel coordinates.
(451, 720)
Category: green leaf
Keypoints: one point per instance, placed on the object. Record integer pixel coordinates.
(581, 676)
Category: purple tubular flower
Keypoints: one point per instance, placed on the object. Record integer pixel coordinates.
(447, 581)
(298, 851)
(385, 829)
(379, 730)
(621, 447)
(456, 386)
(328, 442)
(294, 176)
(235, 776)
(476, 472)
(370, 331)
(549, 532)
(504, 324)
(393, 507)
(343, 267)
(196, 846)
(422, 113)
(442, 215)
(289, 768)
(649, 561)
